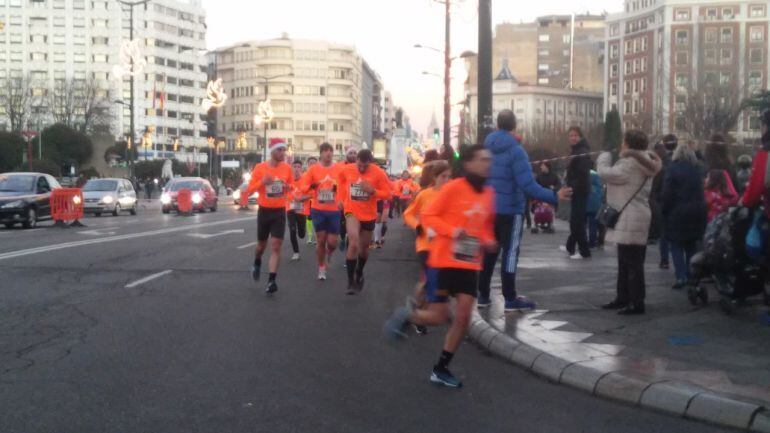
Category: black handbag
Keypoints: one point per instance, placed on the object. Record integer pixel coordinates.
(608, 216)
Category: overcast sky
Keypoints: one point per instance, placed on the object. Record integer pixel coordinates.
(384, 32)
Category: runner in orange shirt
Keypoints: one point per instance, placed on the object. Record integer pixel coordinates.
(321, 182)
(272, 179)
(351, 154)
(405, 189)
(461, 217)
(363, 184)
(297, 209)
(311, 237)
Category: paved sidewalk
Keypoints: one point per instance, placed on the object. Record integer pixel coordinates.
(691, 361)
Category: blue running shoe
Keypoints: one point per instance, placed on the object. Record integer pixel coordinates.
(395, 326)
(519, 304)
(444, 377)
(255, 272)
(483, 302)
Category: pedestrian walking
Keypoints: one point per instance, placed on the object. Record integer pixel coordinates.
(273, 180)
(664, 150)
(512, 180)
(684, 210)
(629, 182)
(462, 217)
(579, 179)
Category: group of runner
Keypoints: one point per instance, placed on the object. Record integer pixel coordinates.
(345, 203)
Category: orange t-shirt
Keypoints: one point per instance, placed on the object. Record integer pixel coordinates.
(406, 188)
(325, 194)
(361, 204)
(295, 202)
(272, 195)
(459, 206)
(413, 216)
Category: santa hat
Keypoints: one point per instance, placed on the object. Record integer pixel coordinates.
(351, 147)
(277, 143)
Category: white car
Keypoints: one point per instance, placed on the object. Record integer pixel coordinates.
(110, 195)
(237, 195)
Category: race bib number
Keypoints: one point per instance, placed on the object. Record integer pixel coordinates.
(275, 189)
(357, 193)
(325, 196)
(466, 249)
(406, 191)
(296, 205)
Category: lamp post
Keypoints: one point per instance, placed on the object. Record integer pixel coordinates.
(266, 119)
(484, 75)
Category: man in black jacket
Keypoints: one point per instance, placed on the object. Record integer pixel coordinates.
(579, 179)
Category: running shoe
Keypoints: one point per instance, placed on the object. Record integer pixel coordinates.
(578, 256)
(271, 288)
(295, 257)
(395, 326)
(444, 377)
(483, 302)
(421, 329)
(352, 289)
(321, 274)
(519, 304)
(255, 272)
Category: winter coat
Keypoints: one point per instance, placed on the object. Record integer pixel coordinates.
(683, 203)
(634, 169)
(597, 194)
(511, 175)
(579, 168)
(549, 180)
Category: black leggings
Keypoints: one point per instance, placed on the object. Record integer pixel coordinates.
(296, 227)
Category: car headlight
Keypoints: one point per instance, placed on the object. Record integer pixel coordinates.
(13, 204)
(237, 194)
(196, 198)
(165, 198)
(107, 199)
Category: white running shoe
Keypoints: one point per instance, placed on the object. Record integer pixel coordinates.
(321, 274)
(577, 256)
(295, 257)
(563, 249)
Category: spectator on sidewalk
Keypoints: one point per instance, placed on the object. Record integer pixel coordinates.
(684, 210)
(511, 177)
(579, 179)
(628, 191)
(757, 191)
(595, 200)
(720, 193)
(743, 174)
(664, 150)
(547, 178)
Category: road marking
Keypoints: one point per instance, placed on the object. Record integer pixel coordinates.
(243, 247)
(148, 278)
(47, 248)
(213, 235)
(96, 233)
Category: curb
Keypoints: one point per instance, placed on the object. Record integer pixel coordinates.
(604, 379)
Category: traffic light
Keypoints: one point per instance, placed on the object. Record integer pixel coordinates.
(436, 135)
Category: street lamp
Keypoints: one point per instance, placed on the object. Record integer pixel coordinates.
(266, 117)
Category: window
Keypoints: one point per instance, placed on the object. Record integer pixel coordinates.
(627, 69)
(727, 35)
(614, 89)
(757, 34)
(100, 40)
(79, 57)
(614, 51)
(544, 38)
(637, 65)
(614, 70)
(644, 64)
(59, 57)
(681, 81)
(726, 57)
(643, 85)
(543, 52)
(727, 13)
(627, 107)
(636, 86)
(99, 23)
(565, 39)
(710, 57)
(642, 105)
(681, 58)
(754, 123)
(59, 21)
(79, 22)
(644, 44)
(724, 78)
(79, 39)
(100, 58)
(711, 14)
(682, 15)
(627, 88)
(629, 47)
(636, 45)
(755, 80)
(542, 81)
(682, 37)
(680, 103)
(542, 67)
(41, 57)
(711, 78)
(757, 11)
(756, 55)
(711, 35)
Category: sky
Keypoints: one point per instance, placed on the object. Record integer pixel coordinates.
(384, 33)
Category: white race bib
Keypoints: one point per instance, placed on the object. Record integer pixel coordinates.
(275, 189)
(357, 192)
(296, 205)
(405, 191)
(325, 196)
(466, 249)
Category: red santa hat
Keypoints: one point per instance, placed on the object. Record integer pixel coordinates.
(277, 143)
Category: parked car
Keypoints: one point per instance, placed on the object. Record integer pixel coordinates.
(25, 198)
(241, 189)
(111, 195)
(203, 195)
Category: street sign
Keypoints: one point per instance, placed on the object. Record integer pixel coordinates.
(231, 164)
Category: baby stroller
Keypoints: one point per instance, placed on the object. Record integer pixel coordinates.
(543, 217)
(724, 262)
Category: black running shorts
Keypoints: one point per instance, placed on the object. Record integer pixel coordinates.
(271, 222)
(456, 281)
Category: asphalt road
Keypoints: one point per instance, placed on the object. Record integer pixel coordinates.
(87, 346)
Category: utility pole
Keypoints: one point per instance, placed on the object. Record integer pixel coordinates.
(447, 81)
(484, 73)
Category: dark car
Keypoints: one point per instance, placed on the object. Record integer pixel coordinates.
(203, 195)
(25, 198)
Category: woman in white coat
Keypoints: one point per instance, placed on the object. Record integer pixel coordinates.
(629, 182)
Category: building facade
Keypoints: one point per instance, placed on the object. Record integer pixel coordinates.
(542, 110)
(662, 54)
(316, 90)
(59, 43)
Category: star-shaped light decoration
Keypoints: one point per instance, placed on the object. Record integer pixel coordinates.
(215, 95)
(132, 62)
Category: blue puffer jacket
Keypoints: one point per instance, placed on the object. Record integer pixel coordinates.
(511, 175)
(597, 194)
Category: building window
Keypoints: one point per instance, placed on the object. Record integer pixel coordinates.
(614, 89)
(680, 124)
(711, 78)
(565, 39)
(727, 35)
(542, 81)
(710, 57)
(757, 11)
(756, 55)
(726, 57)
(727, 13)
(613, 51)
(680, 103)
(711, 35)
(682, 37)
(544, 38)
(682, 15)
(682, 81)
(629, 47)
(626, 87)
(725, 78)
(614, 30)
(757, 34)
(644, 43)
(637, 65)
(681, 58)
(614, 70)
(627, 69)
(542, 67)
(755, 80)
(641, 105)
(636, 86)
(711, 14)
(643, 85)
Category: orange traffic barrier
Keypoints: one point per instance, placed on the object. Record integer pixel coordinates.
(67, 205)
(184, 201)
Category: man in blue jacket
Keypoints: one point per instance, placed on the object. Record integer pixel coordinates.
(511, 177)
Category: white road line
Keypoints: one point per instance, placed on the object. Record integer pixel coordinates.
(213, 235)
(148, 278)
(47, 248)
(243, 247)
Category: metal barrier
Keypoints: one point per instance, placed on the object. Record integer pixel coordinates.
(67, 205)
(184, 201)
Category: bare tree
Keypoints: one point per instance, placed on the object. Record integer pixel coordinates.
(81, 104)
(715, 108)
(17, 99)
